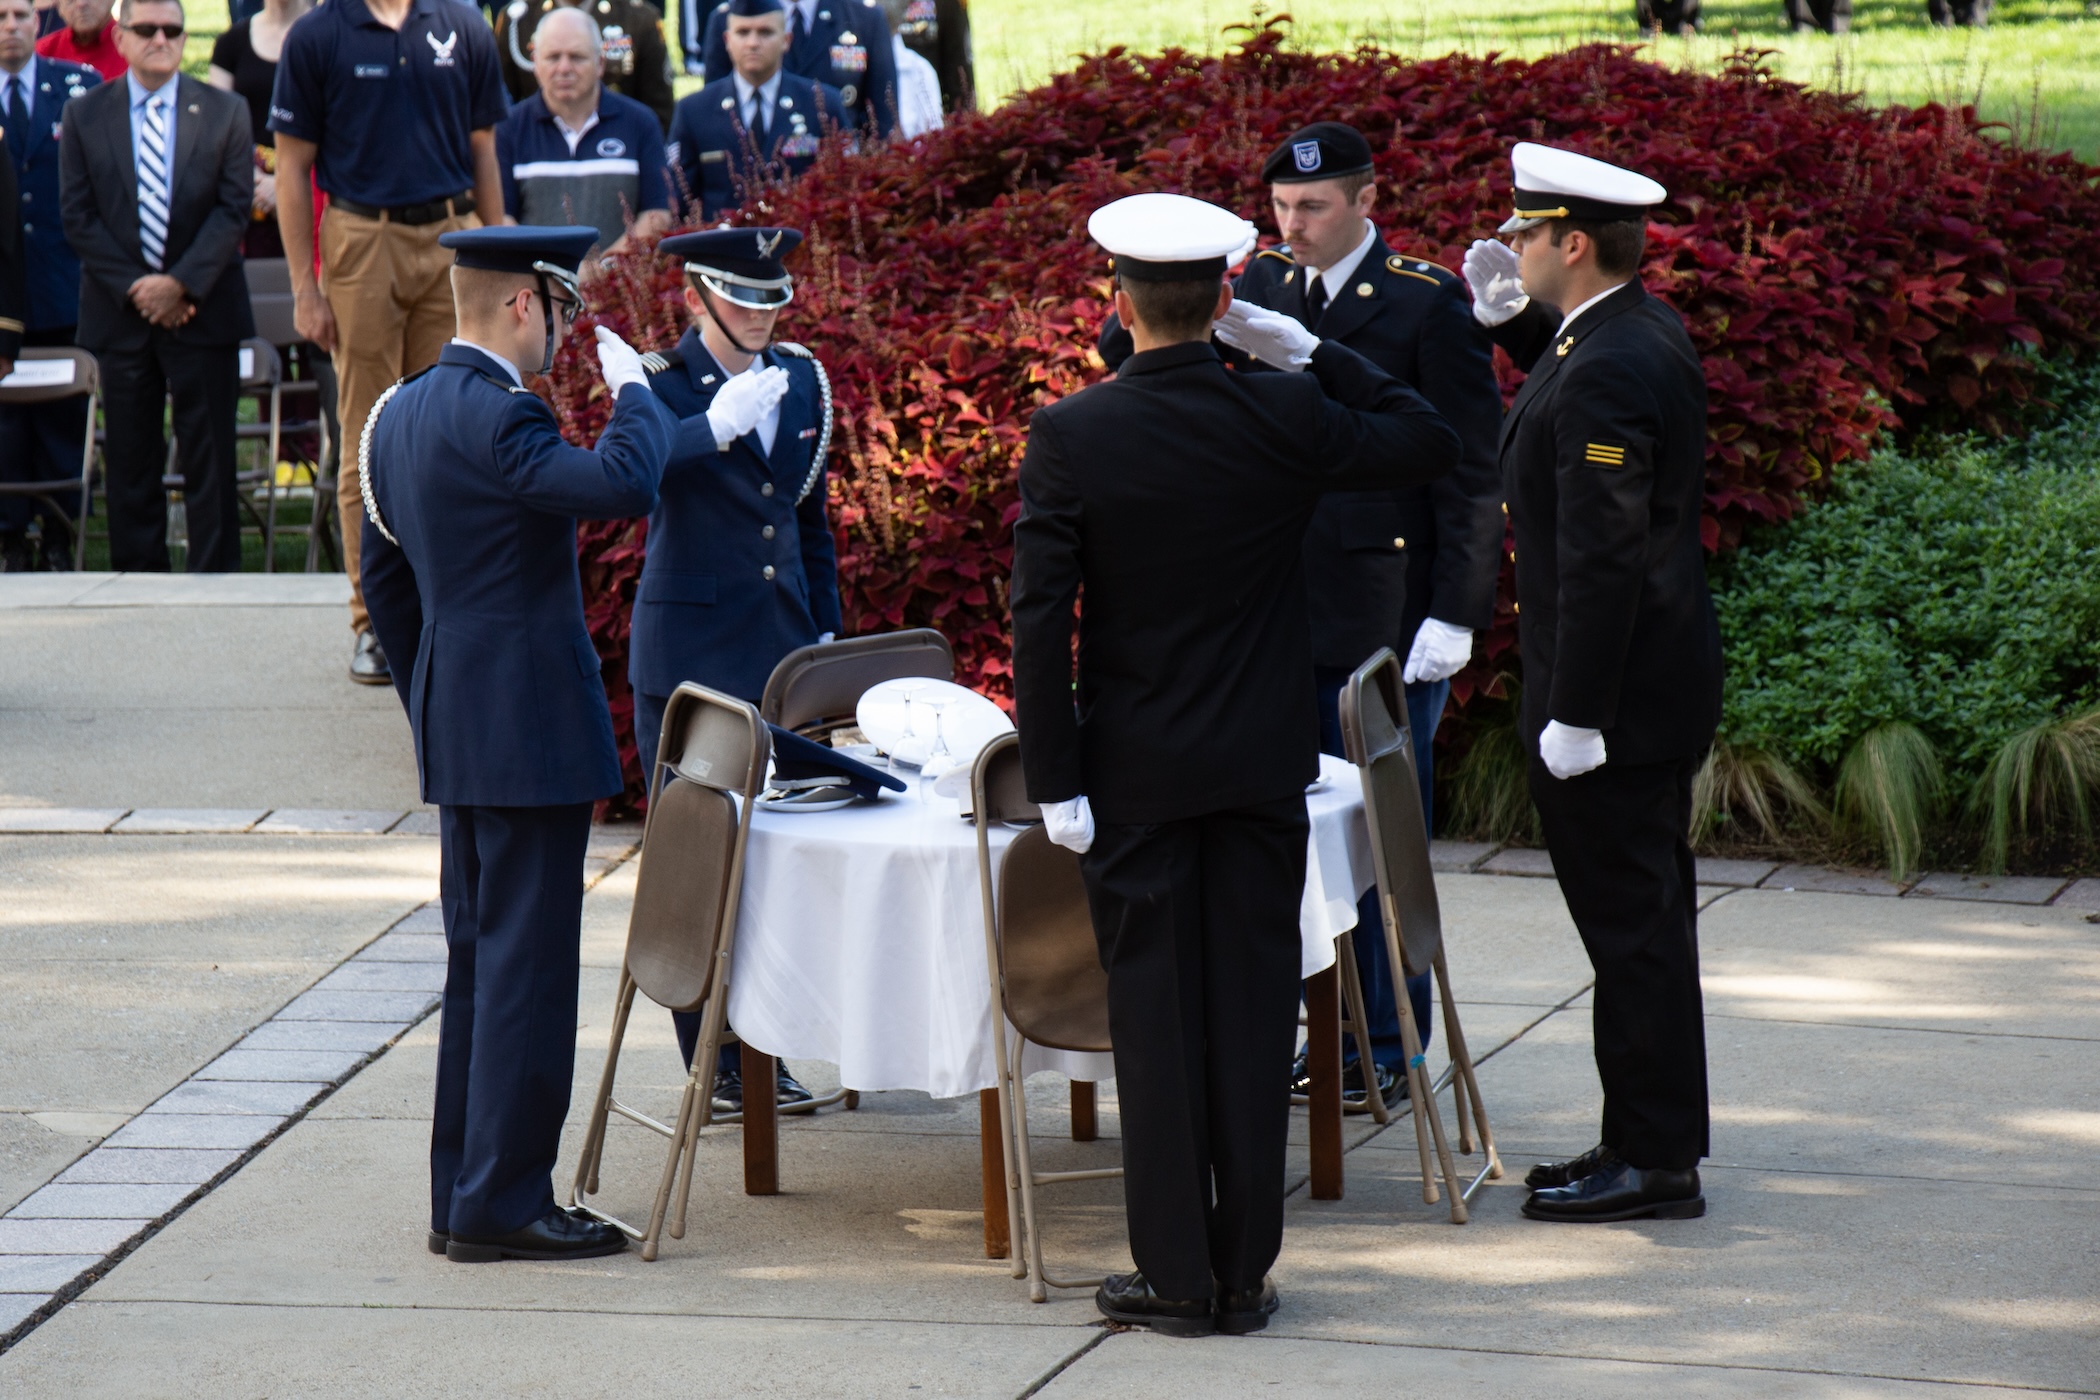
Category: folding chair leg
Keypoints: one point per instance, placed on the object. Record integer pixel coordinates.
(700, 1084)
(1030, 1244)
(1465, 1084)
(586, 1183)
(681, 1129)
(1423, 1094)
(1010, 1092)
(1360, 1024)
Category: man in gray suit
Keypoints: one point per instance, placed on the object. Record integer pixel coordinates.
(156, 181)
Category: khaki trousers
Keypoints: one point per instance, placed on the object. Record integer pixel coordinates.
(390, 287)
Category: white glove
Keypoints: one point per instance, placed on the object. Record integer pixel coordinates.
(1491, 271)
(1070, 824)
(744, 400)
(827, 637)
(1569, 751)
(1273, 338)
(1440, 652)
(619, 362)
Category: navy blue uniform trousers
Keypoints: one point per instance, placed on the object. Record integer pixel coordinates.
(512, 889)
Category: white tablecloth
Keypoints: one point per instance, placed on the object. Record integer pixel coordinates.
(861, 937)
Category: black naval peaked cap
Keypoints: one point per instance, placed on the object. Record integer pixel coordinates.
(1322, 151)
(805, 763)
(524, 248)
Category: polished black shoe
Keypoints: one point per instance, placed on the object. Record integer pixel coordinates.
(788, 1091)
(1301, 1076)
(438, 1240)
(1621, 1191)
(559, 1234)
(1392, 1085)
(1244, 1310)
(1128, 1299)
(1574, 1169)
(368, 662)
(729, 1091)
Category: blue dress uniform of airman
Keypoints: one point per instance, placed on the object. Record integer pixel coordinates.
(741, 567)
(720, 156)
(844, 44)
(41, 442)
(470, 568)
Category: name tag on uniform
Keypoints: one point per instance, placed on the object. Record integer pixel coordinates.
(713, 157)
(370, 70)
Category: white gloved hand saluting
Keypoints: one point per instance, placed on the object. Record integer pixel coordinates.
(1440, 652)
(744, 400)
(1069, 824)
(1273, 338)
(1491, 271)
(1569, 751)
(620, 364)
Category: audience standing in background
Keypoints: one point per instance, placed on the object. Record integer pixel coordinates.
(1830, 16)
(14, 297)
(244, 62)
(1667, 16)
(39, 442)
(393, 104)
(844, 44)
(577, 153)
(760, 123)
(939, 32)
(636, 61)
(48, 18)
(158, 173)
(89, 38)
(918, 92)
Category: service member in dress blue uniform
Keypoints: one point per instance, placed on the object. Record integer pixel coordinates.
(1410, 568)
(758, 122)
(741, 566)
(471, 501)
(843, 44)
(1604, 457)
(39, 442)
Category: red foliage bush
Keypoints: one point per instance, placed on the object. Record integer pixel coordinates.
(1843, 270)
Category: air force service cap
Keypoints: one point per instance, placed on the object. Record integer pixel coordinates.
(1322, 151)
(806, 773)
(553, 251)
(743, 265)
(1556, 184)
(751, 9)
(1170, 237)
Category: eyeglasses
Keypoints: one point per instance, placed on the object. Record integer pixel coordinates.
(569, 307)
(156, 31)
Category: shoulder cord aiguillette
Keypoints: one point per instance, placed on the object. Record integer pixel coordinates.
(364, 461)
(816, 461)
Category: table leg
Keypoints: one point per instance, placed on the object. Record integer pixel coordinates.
(1084, 1126)
(1323, 1058)
(991, 1153)
(761, 1125)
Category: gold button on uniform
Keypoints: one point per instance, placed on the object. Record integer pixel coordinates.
(1363, 289)
(766, 534)
(768, 571)
(1399, 543)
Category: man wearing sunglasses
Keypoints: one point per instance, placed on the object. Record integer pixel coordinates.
(156, 178)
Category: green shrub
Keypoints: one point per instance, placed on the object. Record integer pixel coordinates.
(2045, 781)
(1889, 790)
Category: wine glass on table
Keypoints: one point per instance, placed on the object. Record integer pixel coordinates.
(938, 758)
(907, 692)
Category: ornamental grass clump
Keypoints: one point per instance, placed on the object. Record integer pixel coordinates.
(1844, 271)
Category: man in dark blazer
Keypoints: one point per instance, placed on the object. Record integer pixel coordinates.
(840, 44)
(158, 177)
(39, 442)
(759, 122)
(1413, 569)
(1604, 453)
(471, 500)
(1174, 500)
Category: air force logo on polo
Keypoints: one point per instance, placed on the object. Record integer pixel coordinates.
(441, 52)
(1307, 154)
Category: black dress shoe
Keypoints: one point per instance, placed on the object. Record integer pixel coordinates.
(1622, 1191)
(1574, 1169)
(1392, 1084)
(729, 1091)
(438, 1240)
(787, 1090)
(368, 662)
(1244, 1310)
(1301, 1075)
(1127, 1298)
(559, 1234)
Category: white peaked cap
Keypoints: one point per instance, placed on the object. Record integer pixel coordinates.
(1171, 229)
(1556, 184)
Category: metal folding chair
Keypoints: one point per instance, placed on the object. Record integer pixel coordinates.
(681, 934)
(1046, 979)
(262, 379)
(1375, 738)
(270, 294)
(84, 377)
(814, 688)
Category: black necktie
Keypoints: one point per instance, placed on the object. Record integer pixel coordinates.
(1315, 298)
(17, 119)
(801, 29)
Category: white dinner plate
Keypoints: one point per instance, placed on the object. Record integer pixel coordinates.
(967, 720)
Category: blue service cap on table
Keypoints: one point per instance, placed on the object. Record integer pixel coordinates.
(807, 773)
(743, 265)
(1322, 151)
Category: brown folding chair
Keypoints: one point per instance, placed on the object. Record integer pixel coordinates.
(682, 931)
(1375, 738)
(312, 399)
(86, 378)
(815, 688)
(1046, 978)
(262, 379)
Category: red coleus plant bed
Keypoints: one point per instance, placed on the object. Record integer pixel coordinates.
(1844, 271)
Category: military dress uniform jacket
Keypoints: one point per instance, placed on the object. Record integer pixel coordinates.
(848, 49)
(1604, 459)
(741, 566)
(1378, 562)
(720, 159)
(1178, 494)
(479, 582)
(52, 269)
(637, 58)
(14, 295)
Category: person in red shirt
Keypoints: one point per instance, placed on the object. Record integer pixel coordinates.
(89, 37)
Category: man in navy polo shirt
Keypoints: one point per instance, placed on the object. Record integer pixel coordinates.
(392, 105)
(577, 152)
